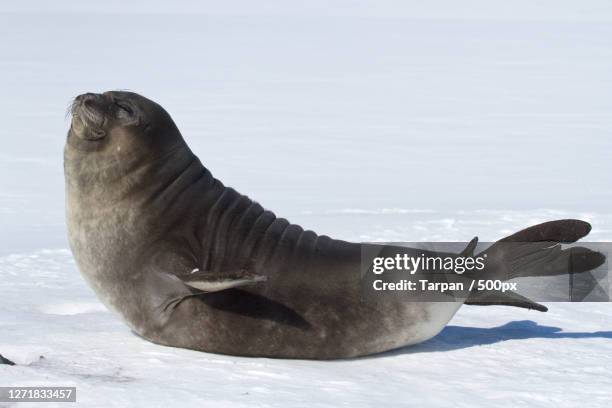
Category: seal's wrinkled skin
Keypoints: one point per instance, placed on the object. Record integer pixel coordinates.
(191, 263)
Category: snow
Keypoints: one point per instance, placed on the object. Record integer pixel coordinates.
(368, 121)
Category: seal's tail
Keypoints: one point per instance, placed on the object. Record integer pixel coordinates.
(535, 251)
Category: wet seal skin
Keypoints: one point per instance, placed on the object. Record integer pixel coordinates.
(189, 262)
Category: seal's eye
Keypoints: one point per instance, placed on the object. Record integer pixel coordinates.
(124, 110)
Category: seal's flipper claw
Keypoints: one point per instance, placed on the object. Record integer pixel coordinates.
(208, 282)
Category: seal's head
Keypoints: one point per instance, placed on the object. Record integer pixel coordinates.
(117, 134)
(119, 121)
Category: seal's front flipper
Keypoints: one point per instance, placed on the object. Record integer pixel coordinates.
(173, 289)
(209, 282)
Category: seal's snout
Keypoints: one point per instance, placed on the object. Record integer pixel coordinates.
(88, 97)
(89, 116)
(92, 102)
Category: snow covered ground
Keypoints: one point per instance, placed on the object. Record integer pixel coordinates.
(363, 120)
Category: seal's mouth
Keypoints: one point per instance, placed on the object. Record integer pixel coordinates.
(89, 116)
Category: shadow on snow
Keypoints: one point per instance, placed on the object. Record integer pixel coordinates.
(459, 337)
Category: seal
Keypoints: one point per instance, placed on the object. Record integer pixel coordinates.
(189, 262)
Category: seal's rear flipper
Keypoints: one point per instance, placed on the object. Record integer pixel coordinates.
(507, 298)
(563, 231)
(208, 282)
(537, 251)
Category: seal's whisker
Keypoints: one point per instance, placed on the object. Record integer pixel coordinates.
(69, 108)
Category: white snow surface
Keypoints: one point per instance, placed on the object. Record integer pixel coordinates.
(365, 120)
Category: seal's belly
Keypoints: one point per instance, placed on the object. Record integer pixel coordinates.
(437, 315)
